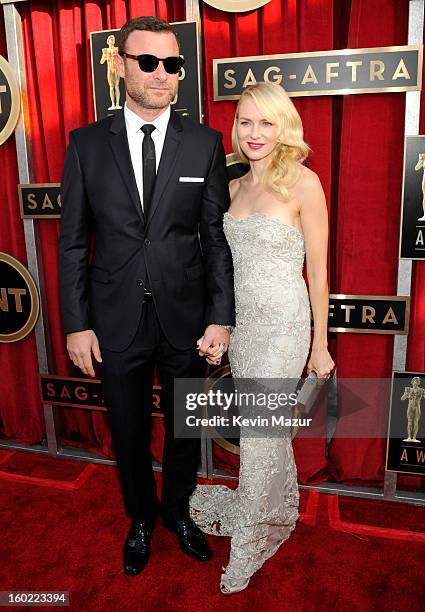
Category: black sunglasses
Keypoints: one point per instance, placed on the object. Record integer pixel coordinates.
(149, 63)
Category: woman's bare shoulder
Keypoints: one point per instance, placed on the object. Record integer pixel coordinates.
(309, 190)
(308, 183)
(307, 179)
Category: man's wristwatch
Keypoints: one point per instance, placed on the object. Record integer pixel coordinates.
(229, 328)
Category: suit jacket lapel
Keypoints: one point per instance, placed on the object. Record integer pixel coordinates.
(119, 143)
(168, 160)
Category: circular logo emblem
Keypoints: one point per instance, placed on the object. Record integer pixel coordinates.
(236, 6)
(19, 302)
(9, 100)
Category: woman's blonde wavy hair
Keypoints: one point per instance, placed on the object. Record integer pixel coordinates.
(274, 104)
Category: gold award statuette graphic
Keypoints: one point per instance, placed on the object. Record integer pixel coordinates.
(108, 55)
(406, 435)
(10, 100)
(237, 6)
(412, 223)
(414, 394)
(19, 300)
(419, 165)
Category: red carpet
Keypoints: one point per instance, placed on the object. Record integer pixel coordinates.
(346, 554)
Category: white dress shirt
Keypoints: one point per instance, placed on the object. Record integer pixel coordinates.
(135, 136)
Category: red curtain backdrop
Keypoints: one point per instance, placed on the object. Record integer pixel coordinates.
(369, 197)
(357, 144)
(21, 415)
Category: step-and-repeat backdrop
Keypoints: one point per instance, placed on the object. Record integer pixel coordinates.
(323, 73)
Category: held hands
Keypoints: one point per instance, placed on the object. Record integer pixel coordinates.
(320, 362)
(213, 344)
(80, 346)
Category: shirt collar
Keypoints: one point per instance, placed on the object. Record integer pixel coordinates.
(133, 122)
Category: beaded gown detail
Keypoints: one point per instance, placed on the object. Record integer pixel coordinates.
(271, 339)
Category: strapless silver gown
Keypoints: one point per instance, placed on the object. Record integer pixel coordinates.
(271, 340)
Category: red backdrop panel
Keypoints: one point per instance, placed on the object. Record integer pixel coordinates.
(357, 148)
(368, 216)
(21, 416)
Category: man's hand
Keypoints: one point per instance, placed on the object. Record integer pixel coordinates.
(80, 346)
(213, 344)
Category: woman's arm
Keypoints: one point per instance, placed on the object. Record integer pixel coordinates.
(314, 222)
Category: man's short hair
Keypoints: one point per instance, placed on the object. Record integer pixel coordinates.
(144, 24)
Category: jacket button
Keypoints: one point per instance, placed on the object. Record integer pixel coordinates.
(139, 282)
(147, 241)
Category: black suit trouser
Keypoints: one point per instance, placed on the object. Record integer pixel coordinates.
(127, 384)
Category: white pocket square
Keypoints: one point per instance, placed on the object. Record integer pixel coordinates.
(191, 179)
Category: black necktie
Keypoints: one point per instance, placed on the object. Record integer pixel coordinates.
(149, 166)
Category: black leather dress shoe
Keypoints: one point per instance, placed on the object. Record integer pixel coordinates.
(192, 540)
(137, 546)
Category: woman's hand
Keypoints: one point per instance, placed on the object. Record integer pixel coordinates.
(214, 350)
(320, 362)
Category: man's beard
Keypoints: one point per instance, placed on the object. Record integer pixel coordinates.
(147, 99)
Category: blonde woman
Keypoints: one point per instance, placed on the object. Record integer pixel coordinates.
(277, 217)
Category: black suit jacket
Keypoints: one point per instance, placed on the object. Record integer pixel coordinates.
(180, 248)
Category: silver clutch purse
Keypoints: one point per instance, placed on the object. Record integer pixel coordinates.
(310, 390)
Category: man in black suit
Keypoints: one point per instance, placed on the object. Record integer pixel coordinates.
(150, 187)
